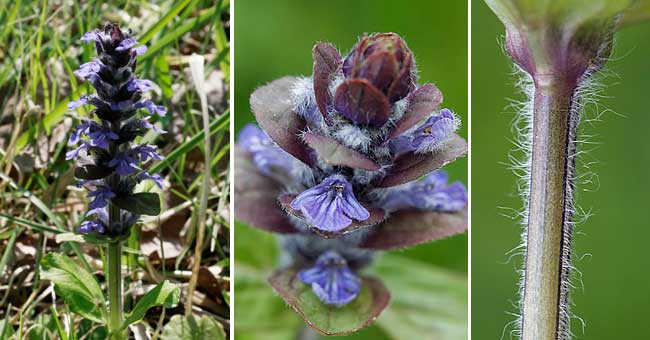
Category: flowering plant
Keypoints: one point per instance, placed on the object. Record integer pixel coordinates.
(109, 165)
(346, 164)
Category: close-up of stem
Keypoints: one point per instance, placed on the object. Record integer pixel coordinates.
(548, 233)
(558, 51)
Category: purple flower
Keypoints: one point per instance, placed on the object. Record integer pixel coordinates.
(73, 104)
(149, 105)
(83, 128)
(142, 85)
(145, 152)
(430, 193)
(124, 164)
(144, 124)
(140, 50)
(436, 129)
(89, 226)
(75, 152)
(126, 44)
(90, 36)
(330, 205)
(265, 154)
(88, 69)
(332, 280)
(155, 177)
(100, 135)
(101, 196)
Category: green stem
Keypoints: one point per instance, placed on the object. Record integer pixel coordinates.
(114, 286)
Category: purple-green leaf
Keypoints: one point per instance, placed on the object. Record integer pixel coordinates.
(411, 166)
(255, 198)
(421, 103)
(337, 154)
(376, 216)
(327, 61)
(330, 320)
(411, 227)
(273, 110)
(360, 102)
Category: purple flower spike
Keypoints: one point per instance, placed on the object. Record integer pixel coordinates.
(431, 193)
(330, 205)
(436, 129)
(124, 164)
(332, 280)
(101, 196)
(265, 154)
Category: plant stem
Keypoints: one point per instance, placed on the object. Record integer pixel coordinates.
(114, 286)
(548, 233)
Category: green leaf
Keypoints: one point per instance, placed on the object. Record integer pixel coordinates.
(427, 302)
(164, 294)
(639, 11)
(91, 172)
(76, 286)
(269, 319)
(191, 328)
(143, 203)
(326, 319)
(178, 32)
(163, 21)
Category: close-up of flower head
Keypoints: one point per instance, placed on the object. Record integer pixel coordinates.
(346, 163)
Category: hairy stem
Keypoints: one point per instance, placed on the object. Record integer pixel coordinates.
(548, 232)
(114, 286)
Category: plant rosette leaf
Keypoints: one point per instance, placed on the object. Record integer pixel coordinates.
(164, 294)
(193, 328)
(326, 319)
(76, 286)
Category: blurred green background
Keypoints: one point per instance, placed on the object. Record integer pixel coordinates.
(610, 245)
(275, 38)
